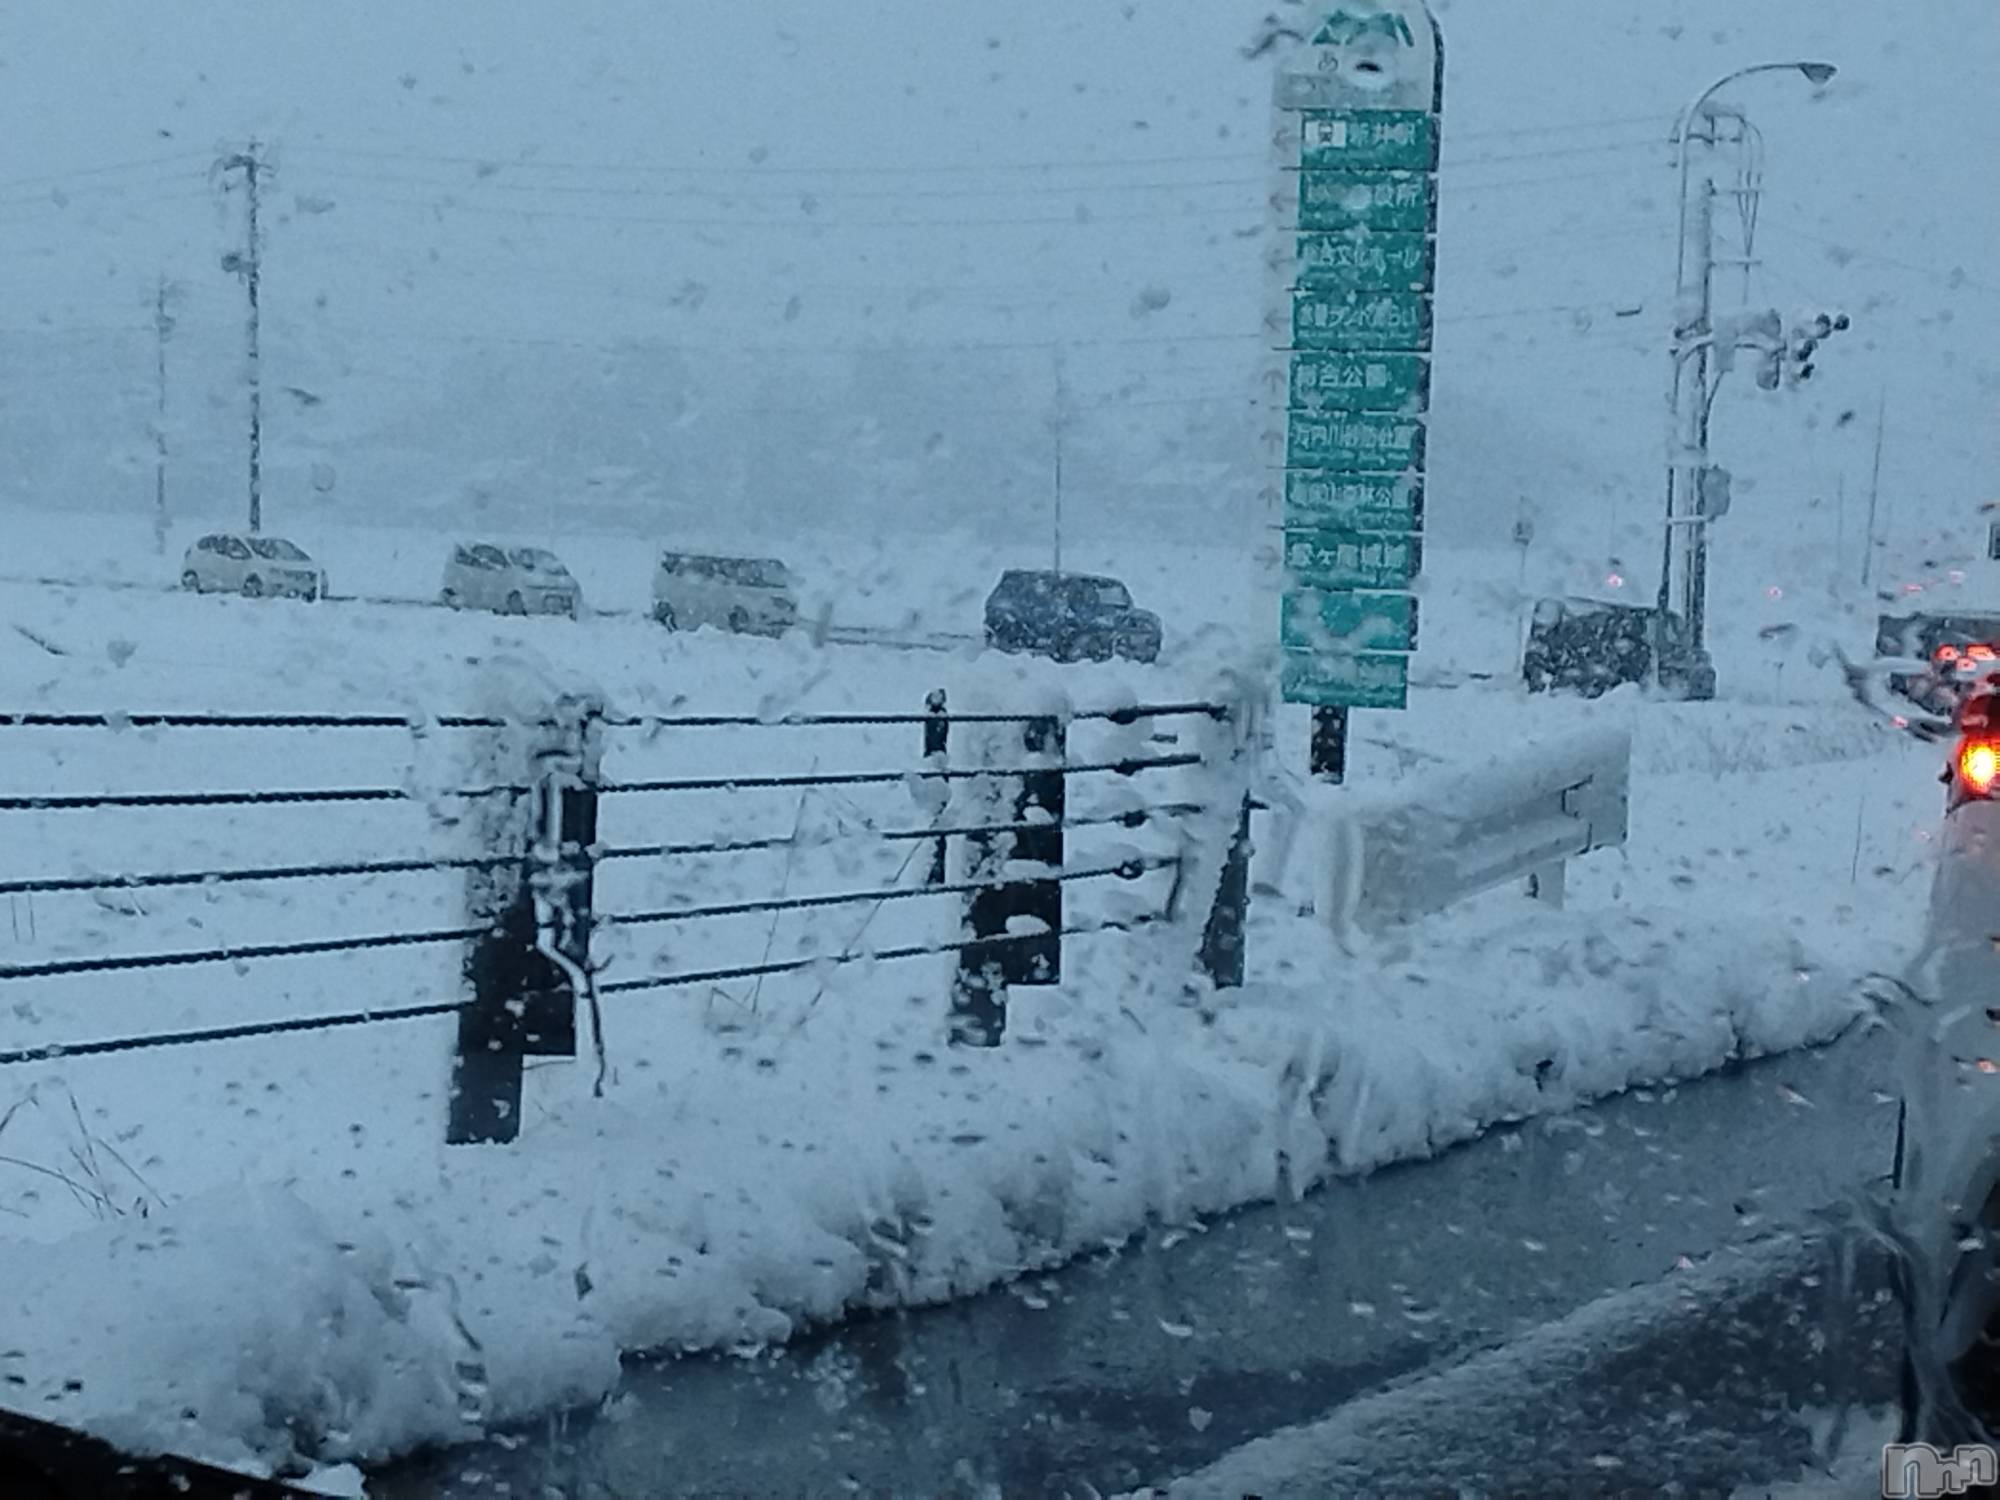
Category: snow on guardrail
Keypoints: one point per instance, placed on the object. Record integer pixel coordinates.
(1400, 856)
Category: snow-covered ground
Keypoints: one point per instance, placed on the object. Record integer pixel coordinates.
(269, 1234)
(768, 1157)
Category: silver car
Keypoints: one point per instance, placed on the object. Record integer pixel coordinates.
(509, 581)
(748, 596)
(254, 566)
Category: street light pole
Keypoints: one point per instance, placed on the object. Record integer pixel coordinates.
(1683, 664)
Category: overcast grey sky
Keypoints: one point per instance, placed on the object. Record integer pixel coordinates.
(794, 177)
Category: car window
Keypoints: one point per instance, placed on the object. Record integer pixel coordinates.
(489, 557)
(536, 560)
(276, 549)
(234, 547)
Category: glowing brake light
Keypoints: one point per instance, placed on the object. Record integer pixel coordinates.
(1979, 766)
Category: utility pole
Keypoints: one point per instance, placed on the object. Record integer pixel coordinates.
(1874, 492)
(163, 326)
(1061, 421)
(1698, 493)
(246, 263)
(1683, 570)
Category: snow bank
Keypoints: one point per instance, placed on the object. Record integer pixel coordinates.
(729, 1195)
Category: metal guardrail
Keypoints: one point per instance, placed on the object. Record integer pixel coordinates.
(1397, 859)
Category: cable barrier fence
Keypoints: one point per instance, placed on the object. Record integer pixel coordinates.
(518, 873)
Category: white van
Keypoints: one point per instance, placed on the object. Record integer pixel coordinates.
(229, 562)
(509, 581)
(749, 596)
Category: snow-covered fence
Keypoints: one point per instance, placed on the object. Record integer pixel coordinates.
(508, 802)
(1399, 857)
(529, 967)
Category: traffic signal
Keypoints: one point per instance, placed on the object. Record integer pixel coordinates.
(1807, 335)
(1976, 766)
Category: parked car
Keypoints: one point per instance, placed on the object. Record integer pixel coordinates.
(253, 566)
(745, 595)
(1959, 651)
(1070, 617)
(509, 581)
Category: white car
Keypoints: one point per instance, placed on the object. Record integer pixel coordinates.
(254, 566)
(509, 581)
(749, 596)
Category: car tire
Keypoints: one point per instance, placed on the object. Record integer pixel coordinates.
(739, 622)
(253, 587)
(516, 605)
(191, 580)
(664, 613)
(449, 599)
(312, 593)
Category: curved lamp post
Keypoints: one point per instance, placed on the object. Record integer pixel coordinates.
(1692, 656)
(1818, 74)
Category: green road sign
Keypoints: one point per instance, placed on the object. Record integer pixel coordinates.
(1333, 624)
(1363, 441)
(1346, 139)
(1360, 382)
(1363, 262)
(1361, 320)
(1362, 681)
(1366, 200)
(1322, 501)
(1352, 559)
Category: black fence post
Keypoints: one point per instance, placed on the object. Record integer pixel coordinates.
(992, 957)
(522, 1003)
(937, 750)
(1329, 745)
(1222, 939)
(1040, 806)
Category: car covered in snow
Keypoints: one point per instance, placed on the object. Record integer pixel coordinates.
(255, 566)
(1069, 617)
(1956, 652)
(1590, 646)
(509, 581)
(743, 595)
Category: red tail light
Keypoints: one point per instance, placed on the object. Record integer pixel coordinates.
(1979, 766)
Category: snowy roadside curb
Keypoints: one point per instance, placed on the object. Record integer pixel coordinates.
(718, 1201)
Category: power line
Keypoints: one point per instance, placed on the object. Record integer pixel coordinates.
(1954, 278)
(494, 163)
(104, 170)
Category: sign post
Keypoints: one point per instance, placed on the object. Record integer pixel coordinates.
(1357, 114)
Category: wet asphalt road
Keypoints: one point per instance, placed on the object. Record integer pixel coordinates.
(1132, 1368)
(1777, 1367)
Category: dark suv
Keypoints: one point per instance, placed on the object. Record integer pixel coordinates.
(1590, 646)
(1069, 616)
